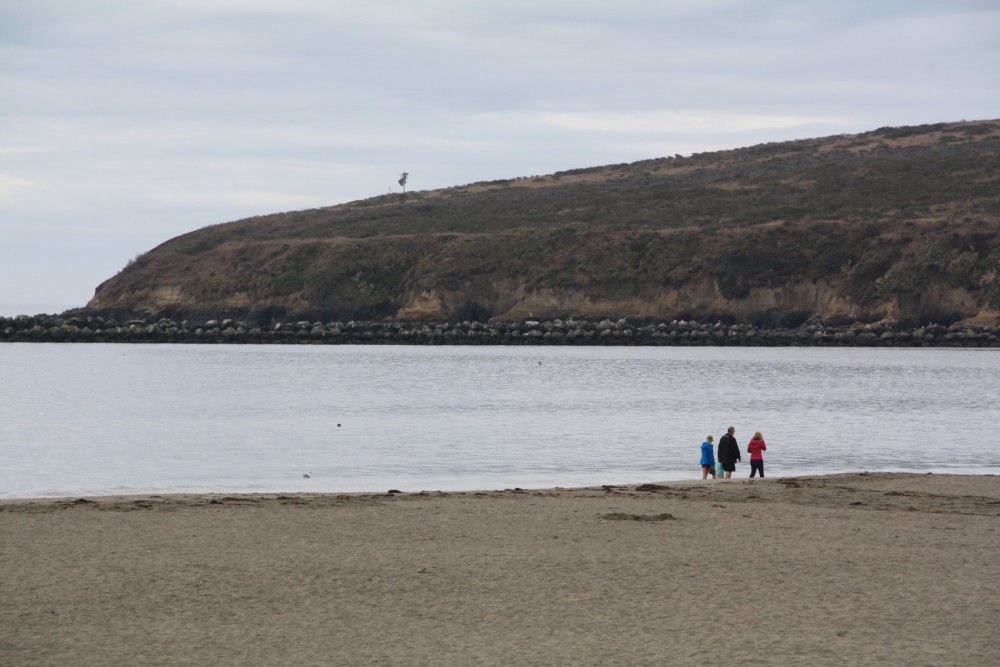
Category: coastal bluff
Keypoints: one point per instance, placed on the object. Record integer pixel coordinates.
(897, 224)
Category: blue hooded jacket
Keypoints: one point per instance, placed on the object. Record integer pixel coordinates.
(707, 454)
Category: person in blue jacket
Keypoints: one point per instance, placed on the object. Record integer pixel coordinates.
(707, 459)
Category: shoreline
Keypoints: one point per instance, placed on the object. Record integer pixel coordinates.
(396, 487)
(117, 502)
(390, 492)
(849, 568)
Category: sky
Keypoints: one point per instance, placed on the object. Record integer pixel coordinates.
(125, 123)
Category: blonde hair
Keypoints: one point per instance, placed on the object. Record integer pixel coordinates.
(758, 436)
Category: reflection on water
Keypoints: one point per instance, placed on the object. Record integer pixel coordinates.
(94, 419)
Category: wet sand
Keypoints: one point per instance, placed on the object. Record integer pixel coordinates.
(854, 569)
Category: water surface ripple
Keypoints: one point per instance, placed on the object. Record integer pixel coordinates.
(114, 419)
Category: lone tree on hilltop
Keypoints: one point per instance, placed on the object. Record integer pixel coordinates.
(402, 180)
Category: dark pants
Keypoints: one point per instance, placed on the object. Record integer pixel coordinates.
(757, 466)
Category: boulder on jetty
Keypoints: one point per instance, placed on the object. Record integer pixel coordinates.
(624, 331)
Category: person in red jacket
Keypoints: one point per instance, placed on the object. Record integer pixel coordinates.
(756, 449)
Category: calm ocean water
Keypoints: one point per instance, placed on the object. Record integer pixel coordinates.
(118, 419)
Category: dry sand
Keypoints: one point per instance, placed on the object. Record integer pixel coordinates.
(856, 569)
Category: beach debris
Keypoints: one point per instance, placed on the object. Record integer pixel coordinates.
(79, 502)
(392, 492)
(621, 516)
(652, 487)
(227, 500)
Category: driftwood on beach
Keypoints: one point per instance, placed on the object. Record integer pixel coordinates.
(624, 331)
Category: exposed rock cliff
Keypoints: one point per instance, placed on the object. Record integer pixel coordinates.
(898, 223)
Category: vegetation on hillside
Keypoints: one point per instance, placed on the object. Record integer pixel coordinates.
(889, 222)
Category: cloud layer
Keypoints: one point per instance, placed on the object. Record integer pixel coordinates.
(124, 124)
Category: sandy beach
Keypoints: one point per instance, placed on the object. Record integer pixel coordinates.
(852, 569)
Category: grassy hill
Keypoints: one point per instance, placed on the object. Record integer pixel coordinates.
(895, 223)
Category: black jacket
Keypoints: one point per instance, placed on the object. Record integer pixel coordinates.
(729, 451)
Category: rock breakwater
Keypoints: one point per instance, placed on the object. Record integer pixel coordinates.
(626, 331)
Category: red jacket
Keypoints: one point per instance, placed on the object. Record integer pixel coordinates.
(756, 449)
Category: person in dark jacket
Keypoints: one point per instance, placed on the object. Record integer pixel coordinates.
(729, 452)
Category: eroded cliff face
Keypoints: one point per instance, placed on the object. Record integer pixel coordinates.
(899, 223)
(701, 299)
(884, 280)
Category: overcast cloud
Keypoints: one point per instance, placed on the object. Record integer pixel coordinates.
(126, 123)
